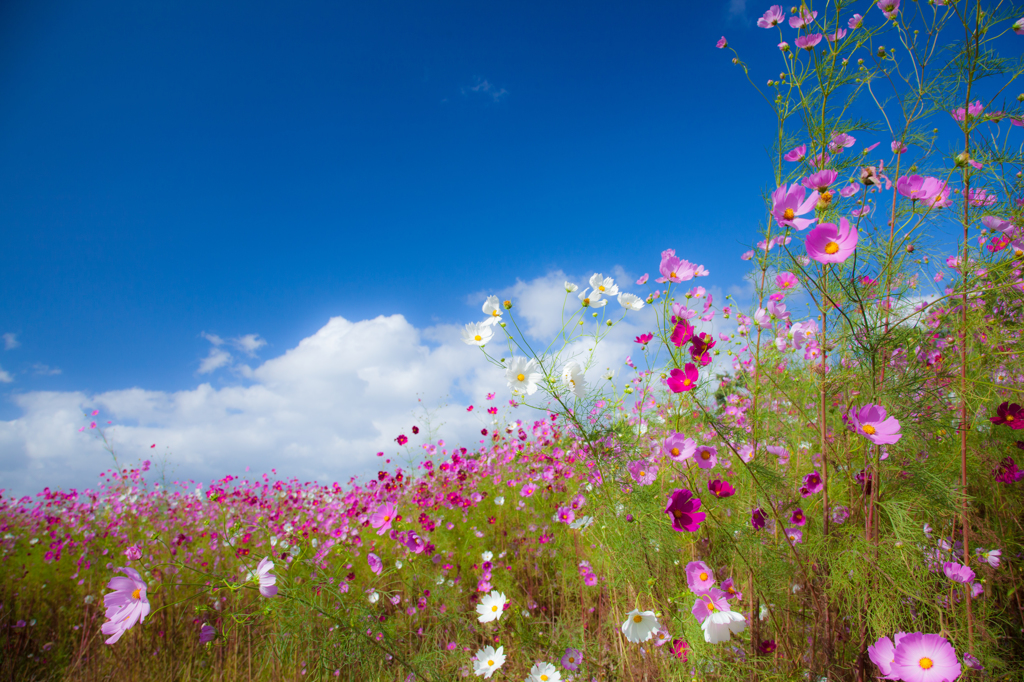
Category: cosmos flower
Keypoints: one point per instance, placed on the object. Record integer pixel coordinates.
(974, 110)
(643, 472)
(706, 456)
(1018, 26)
(828, 243)
(488, 660)
(491, 606)
(775, 16)
(796, 154)
(917, 188)
(678, 649)
(729, 587)
(812, 484)
(630, 301)
(789, 203)
(523, 375)
(604, 286)
(712, 601)
(477, 333)
(679, 447)
(644, 339)
(809, 41)
(640, 626)
(681, 333)
(570, 287)
(207, 633)
(126, 605)
(990, 557)
(699, 577)
(722, 43)
(381, 519)
(682, 380)
(376, 565)
(572, 377)
(492, 307)
(674, 269)
(803, 19)
(267, 580)
(882, 653)
(889, 7)
(871, 422)
(719, 625)
(582, 523)
(758, 518)
(1010, 414)
(594, 300)
(699, 347)
(798, 518)
(925, 658)
(682, 507)
(721, 489)
(786, 281)
(957, 572)
(571, 659)
(794, 535)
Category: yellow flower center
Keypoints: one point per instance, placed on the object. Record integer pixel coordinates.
(925, 663)
(136, 594)
(386, 519)
(586, 302)
(521, 377)
(831, 248)
(495, 313)
(572, 660)
(490, 662)
(868, 429)
(642, 474)
(792, 537)
(711, 607)
(478, 338)
(543, 678)
(705, 455)
(675, 452)
(788, 214)
(1009, 417)
(703, 576)
(494, 608)
(686, 382)
(638, 618)
(601, 287)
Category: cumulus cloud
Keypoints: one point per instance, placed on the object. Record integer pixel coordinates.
(11, 341)
(319, 411)
(5, 377)
(45, 370)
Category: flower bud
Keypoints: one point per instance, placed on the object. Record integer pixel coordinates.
(735, 60)
(910, 248)
(881, 52)
(507, 305)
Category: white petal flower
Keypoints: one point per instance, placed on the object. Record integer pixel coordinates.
(478, 333)
(491, 606)
(374, 597)
(604, 285)
(572, 377)
(523, 375)
(488, 660)
(487, 556)
(582, 523)
(544, 672)
(594, 300)
(719, 624)
(640, 626)
(499, 500)
(630, 301)
(492, 306)
(570, 287)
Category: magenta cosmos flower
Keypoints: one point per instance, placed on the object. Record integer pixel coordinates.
(917, 188)
(925, 658)
(830, 244)
(798, 518)
(708, 603)
(681, 333)
(682, 380)
(812, 484)
(381, 519)
(787, 204)
(758, 518)
(1010, 414)
(958, 573)
(786, 281)
(872, 423)
(699, 577)
(706, 456)
(699, 347)
(683, 506)
(679, 447)
(721, 488)
(882, 654)
(126, 605)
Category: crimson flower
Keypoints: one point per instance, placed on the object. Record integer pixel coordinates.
(1010, 414)
(682, 507)
(699, 347)
(682, 333)
(721, 488)
(644, 339)
(682, 380)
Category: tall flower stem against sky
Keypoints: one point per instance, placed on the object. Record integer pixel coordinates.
(823, 443)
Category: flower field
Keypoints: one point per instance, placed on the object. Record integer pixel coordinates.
(814, 480)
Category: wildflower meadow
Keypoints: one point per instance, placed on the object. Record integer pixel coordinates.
(812, 480)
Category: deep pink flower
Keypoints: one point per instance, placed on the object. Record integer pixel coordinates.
(789, 203)
(812, 484)
(699, 577)
(134, 553)
(773, 17)
(1007, 472)
(796, 153)
(925, 658)
(758, 518)
(957, 572)
(381, 519)
(681, 333)
(699, 347)
(126, 605)
(872, 422)
(827, 243)
(679, 647)
(644, 339)
(786, 280)
(808, 42)
(682, 380)
(679, 447)
(674, 269)
(767, 646)
(974, 110)
(402, 439)
(730, 590)
(1010, 414)
(798, 518)
(706, 456)
(820, 181)
(709, 602)
(720, 488)
(683, 508)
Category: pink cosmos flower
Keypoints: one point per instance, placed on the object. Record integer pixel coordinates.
(803, 19)
(833, 37)
(681, 333)
(812, 485)
(974, 110)
(786, 280)
(882, 654)
(827, 243)
(730, 590)
(897, 147)
(758, 518)
(721, 489)
(840, 141)
(808, 42)
(722, 43)
(381, 519)
(267, 580)
(798, 518)
(925, 658)
(706, 456)
(980, 198)
(642, 280)
(126, 605)
(958, 573)
(699, 577)
(682, 507)
(796, 154)
(682, 380)
(679, 447)
(821, 180)
(871, 422)
(789, 203)
(206, 633)
(572, 659)
(855, 22)
(134, 553)
(1018, 26)
(708, 603)
(773, 17)
(674, 269)
(700, 347)
(527, 490)
(917, 188)
(643, 472)
(644, 339)
(889, 7)
(780, 452)
(794, 535)
(783, 46)
(376, 565)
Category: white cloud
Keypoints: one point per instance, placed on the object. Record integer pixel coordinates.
(214, 361)
(5, 377)
(483, 87)
(11, 341)
(45, 370)
(737, 8)
(248, 344)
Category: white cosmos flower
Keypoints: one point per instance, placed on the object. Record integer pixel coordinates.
(487, 556)
(544, 672)
(570, 287)
(582, 522)
(488, 660)
(640, 626)
(490, 606)
(523, 375)
(492, 306)
(630, 301)
(478, 333)
(499, 500)
(719, 624)
(572, 377)
(592, 301)
(604, 285)
(374, 597)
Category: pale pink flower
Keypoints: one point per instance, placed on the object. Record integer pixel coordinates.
(796, 153)
(803, 19)
(889, 7)
(974, 110)
(809, 41)
(267, 580)
(773, 17)
(841, 141)
(838, 35)
(855, 22)
(126, 605)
